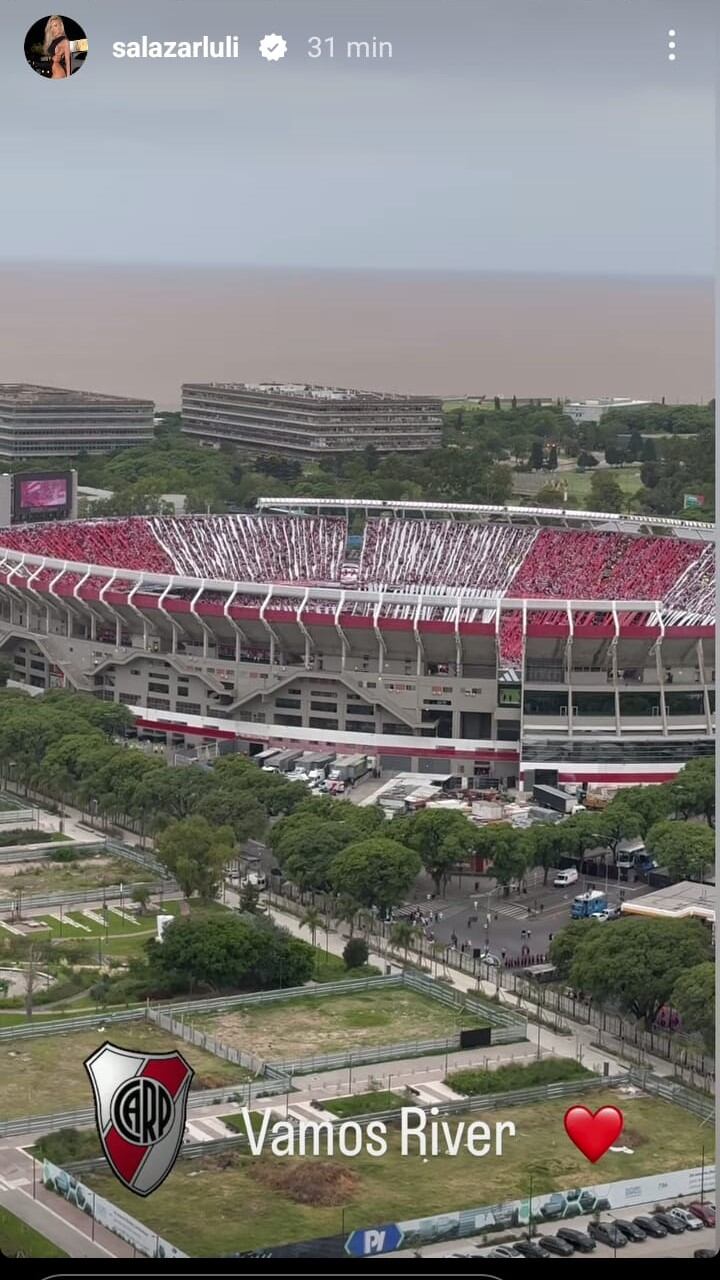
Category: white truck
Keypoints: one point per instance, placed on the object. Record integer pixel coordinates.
(348, 769)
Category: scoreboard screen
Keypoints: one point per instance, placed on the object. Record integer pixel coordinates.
(42, 495)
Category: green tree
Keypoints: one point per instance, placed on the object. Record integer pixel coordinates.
(312, 920)
(224, 951)
(586, 459)
(141, 895)
(403, 935)
(507, 850)
(7, 672)
(536, 455)
(545, 847)
(636, 963)
(249, 900)
(196, 854)
(693, 791)
(605, 493)
(443, 839)
(693, 996)
(565, 944)
(685, 849)
(375, 871)
(355, 953)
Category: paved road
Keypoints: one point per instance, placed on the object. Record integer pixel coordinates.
(485, 918)
(66, 1226)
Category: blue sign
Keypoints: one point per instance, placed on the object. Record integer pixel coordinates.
(374, 1240)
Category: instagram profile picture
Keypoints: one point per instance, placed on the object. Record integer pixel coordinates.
(56, 47)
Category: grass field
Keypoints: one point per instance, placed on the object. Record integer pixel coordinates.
(17, 1239)
(88, 873)
(45, 1075)
(579, 482)
(197, 1207)
(364, 1104)
(320, 1024)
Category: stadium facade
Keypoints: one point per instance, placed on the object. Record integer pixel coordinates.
(517, 645)
(305, 421)
(54, 422)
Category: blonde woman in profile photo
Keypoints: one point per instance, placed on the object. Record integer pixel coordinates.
(57, 48)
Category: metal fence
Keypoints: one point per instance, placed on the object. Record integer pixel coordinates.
(193, 1035)
(140, 856)
(545, 1002)
(242, 1094)
(57, 1026)
(506, 1027)
(30, 902)
(45, 849)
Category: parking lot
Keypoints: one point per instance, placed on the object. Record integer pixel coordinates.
(681, 1246)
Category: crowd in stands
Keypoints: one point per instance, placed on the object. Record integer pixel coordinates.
(239, 548)
(585, 564)
(440, 557)
(406, 554)
(128, 544)
(692, 598)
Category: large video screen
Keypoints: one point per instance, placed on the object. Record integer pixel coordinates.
(50, 493)
(39, 493)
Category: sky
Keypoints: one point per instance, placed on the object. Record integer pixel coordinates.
(529, 136)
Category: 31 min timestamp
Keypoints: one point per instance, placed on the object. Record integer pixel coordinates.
(326, 47)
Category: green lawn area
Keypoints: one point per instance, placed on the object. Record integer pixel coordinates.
(579, 482)
(366, 1190)
(318, 1024)
(17, 1239)
(88, 873)
(75, 926)
(363, 1104)
(44, 1075)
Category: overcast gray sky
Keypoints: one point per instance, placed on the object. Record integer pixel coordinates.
(524, 135)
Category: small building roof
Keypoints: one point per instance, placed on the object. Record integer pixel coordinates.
(677, 902)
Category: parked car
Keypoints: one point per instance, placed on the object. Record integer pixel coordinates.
(650, 1226)
(504, 1251)
(675, 1226)
(553, 1244)
(579, 1240)
(705, 1212)
(607, 1233)
(528, 1249)
(630, 1230)
(689, 1220)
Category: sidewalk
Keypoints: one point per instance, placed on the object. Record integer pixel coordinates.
(66, 1226)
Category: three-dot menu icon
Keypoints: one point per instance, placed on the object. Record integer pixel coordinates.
(672, 44)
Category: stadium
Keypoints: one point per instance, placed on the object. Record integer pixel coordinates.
(511, 645)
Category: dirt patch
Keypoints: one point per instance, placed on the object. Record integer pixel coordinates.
(315, 1182)
(631, 1138)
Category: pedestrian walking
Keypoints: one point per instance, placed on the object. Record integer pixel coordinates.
(522, 935)
(542, 907)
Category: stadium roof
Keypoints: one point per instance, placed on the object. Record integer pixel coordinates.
(701, 529)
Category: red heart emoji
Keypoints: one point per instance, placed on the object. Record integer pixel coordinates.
(593, 1134)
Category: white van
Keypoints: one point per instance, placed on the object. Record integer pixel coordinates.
(566, 877)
